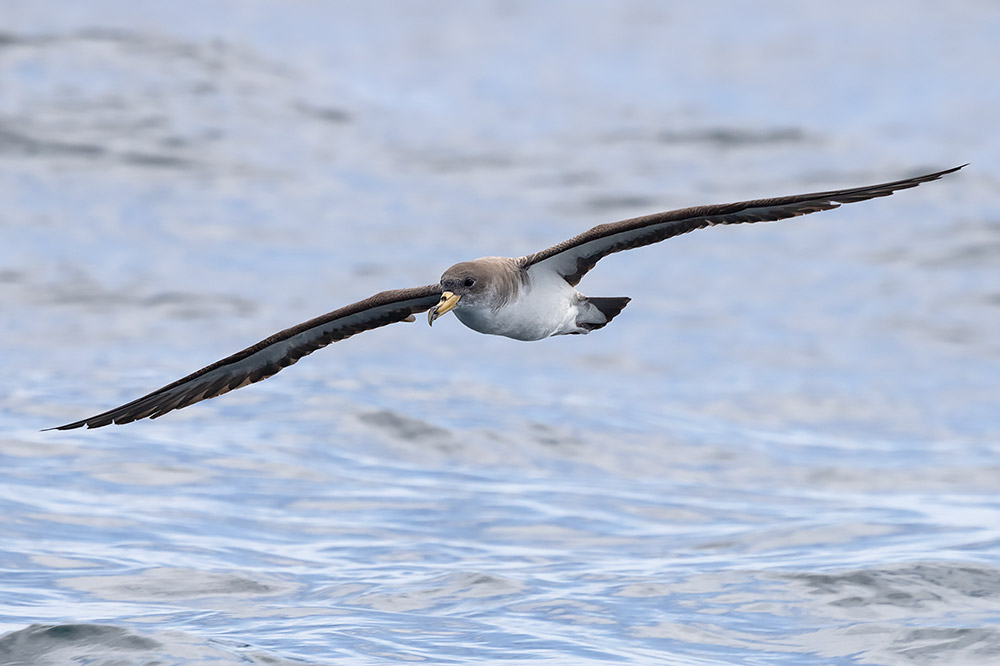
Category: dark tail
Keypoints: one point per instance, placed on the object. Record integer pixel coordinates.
(609, 307)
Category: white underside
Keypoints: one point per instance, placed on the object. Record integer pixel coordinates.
(546, 306)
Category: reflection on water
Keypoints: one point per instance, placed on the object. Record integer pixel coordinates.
(784, 451)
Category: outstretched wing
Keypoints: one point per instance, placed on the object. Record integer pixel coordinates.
(573, 258)
(270, 355)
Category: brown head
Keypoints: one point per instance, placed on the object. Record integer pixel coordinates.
(493, 281)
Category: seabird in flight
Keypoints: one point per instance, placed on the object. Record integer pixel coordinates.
(527, 298)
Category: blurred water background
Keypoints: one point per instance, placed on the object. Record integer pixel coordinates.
(785, 451)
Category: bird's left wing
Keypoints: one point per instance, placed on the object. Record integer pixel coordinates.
(270, 355)
(574, 257)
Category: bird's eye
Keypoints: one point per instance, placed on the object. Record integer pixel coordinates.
(469, 282)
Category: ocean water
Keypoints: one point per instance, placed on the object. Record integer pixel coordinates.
(786, 450)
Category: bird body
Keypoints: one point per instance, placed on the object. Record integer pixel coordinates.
(527, 298)
(521, 303)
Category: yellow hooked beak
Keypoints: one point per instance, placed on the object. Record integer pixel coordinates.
(445, 305)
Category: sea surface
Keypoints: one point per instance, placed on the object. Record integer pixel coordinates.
(785, 451)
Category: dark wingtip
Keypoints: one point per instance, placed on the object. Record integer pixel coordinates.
(953, 169)
(68, 426)
(937, 175)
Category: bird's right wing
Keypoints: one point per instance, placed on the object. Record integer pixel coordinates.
(270, 355)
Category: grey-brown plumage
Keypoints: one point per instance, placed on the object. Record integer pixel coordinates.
(591, 246)
(525, 298)
(271, 354)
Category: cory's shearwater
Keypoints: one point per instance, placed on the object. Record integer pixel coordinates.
(527, 298)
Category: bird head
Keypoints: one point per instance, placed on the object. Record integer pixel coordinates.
(462, 285)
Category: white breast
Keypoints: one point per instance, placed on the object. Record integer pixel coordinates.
(546, 305)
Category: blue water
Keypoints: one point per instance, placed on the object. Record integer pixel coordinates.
(785, 451)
